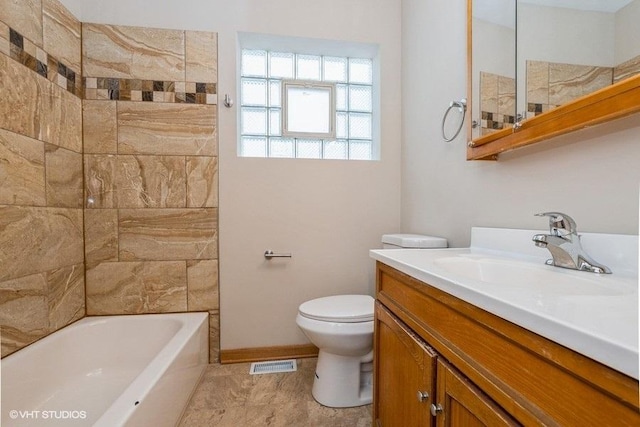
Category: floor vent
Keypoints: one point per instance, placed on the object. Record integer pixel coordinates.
(274, 367)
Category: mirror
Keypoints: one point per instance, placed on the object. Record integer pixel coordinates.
(570, 48)
(494, 66)
(577, 64)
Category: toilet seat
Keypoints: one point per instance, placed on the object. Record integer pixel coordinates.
(339, 309)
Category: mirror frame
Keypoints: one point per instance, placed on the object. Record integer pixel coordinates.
(612, 102)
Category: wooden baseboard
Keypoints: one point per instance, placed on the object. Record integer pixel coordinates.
(260, 354)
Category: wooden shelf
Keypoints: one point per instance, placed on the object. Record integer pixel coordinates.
(610, 103)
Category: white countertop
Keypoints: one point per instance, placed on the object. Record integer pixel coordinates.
(599, 325)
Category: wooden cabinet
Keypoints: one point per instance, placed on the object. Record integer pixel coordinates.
(405, 374)
(482, 370)
(460, 403)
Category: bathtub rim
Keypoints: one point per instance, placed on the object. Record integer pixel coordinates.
(190, 325)
(124, 406)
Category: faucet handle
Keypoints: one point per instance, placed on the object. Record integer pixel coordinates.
(560, 224)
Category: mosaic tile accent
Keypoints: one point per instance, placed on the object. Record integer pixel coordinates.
(36, 59)
(497, 101)
(25, 15)
(35, 107)
(116, 89)
(496, 121)
(551, 84)
(61, 33)
(535, 108)
(41, 271)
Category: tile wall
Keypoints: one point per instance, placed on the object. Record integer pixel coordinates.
(42, 284)
(550, 84)
(108, 205)
(497, 102)
(626, 69)
(151, 172)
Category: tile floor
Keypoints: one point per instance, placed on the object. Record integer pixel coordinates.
(228, 396)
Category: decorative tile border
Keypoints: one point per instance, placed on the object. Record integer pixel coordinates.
(36, 59)
(150, 90)
(496, 121)
(536, 108)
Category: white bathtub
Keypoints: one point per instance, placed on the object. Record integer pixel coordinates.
(107, 371)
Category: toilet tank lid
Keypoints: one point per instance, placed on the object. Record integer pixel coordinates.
(339, 308)
(414, 241)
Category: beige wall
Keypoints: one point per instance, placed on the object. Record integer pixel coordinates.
(150, 135)
(627, 36)
(327, 213)
(592, 175)
(41, 254)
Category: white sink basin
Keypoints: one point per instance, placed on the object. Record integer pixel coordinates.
(518, 275)
(503, 273)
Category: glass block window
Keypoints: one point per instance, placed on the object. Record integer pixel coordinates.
(261, 75)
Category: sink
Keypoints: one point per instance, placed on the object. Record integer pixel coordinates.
(503, 273)
(514, 274)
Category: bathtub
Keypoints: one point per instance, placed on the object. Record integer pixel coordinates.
(107, 371)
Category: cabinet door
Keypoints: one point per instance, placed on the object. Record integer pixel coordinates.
(460, 403)
(405, 370)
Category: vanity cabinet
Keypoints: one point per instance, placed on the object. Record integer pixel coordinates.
(407, 370)
(460, 403)
(405, 373)
(479, 369)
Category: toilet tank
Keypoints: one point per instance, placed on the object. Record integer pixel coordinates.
(412, 241)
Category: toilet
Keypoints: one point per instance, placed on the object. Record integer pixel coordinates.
(341, 326)
(412, 241)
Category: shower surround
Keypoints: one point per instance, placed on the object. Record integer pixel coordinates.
(122, 183)
(150, 166)
(42, 285)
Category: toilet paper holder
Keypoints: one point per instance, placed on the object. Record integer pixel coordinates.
(269, 254)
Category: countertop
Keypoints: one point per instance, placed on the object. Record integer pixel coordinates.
(602, 326)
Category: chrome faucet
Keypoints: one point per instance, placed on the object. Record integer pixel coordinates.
(563, 242)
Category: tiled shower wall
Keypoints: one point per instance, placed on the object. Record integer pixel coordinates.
(497, 102)
(149, 189)
(41, 255)
(626, 69)
(151, 168)
(550, 84)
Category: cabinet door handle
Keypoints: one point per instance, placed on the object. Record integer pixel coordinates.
(436, 409)
(422, 396)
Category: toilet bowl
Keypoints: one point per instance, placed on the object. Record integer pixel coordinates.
(341, 326)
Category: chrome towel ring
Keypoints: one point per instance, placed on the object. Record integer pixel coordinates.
(461, 107)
